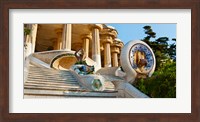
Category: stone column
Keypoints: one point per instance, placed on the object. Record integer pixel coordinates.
(107, 54)
(108, 34)
(86, 41)
(59, 39)
(96, 45)
(33, 36)
(67, 36)
(30, 38)
(116, 46)
(115, 52)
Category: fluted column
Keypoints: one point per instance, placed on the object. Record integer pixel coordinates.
(67, 36)
(96, 45)
(86, 41)
(59, 39)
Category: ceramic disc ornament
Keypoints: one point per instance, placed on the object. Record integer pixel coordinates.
(141, 58)
(137, 60)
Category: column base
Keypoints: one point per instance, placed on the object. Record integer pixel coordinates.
(97, 59)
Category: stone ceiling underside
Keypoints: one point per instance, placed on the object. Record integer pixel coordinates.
(46, 35)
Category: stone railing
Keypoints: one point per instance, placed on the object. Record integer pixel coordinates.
(125, 89)
(48, 56)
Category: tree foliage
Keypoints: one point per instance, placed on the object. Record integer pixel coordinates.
(162, 84)
(160, 46)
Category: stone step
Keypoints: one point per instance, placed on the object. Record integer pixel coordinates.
(54, 83)
(43, 97)
(62, 97)
(50, 83)
(46, 69)
(39, 81)
(53, 88)
(50, 72)
(90, 94)
(61, 83)
(51, 79)
(56, 86)
(47, 77)
(51, 75)
(43, 68)
(81, 89)
(68, 93)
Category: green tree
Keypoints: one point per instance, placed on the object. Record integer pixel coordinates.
(160, 46)
(150, 34)
(162, 84)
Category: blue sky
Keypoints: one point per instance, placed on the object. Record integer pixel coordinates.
(127, 32)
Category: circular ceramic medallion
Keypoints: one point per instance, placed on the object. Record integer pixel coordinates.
(141, 58)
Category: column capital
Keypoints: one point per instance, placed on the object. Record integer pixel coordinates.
(117, 43)
(110, 31)
(116, 46)
(89, 36)
(106, 39)
(115, 50)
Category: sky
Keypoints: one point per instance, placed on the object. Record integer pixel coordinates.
(128, 32)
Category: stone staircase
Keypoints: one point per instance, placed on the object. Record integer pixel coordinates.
(42, 82)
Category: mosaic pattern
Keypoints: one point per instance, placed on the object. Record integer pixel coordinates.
(147, 56)
(96, 84)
